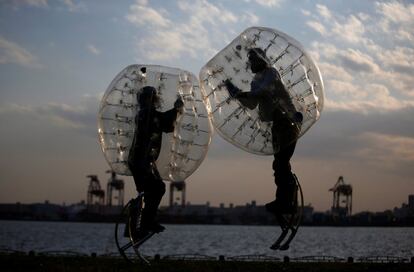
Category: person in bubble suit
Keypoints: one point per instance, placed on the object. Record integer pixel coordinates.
(145, 149)
(274, 105)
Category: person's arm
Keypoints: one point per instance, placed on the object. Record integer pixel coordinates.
(231, 88)
(168, 118)
(246, 98)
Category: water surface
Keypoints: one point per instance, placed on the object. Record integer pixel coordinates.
(212, 240)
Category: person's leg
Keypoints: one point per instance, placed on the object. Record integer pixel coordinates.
(154, 191)
(284, 178)
(132, 221)
(138, 170)
(285, 138)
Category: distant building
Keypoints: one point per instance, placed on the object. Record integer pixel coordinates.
(36, 211)
(307, 216)
(248, 214)
(205, 214)
(406, 210)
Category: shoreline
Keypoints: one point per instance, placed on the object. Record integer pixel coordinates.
(212, 224)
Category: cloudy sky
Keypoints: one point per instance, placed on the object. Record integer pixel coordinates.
(58, 57)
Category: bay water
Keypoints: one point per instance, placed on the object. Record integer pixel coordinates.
(211, 240)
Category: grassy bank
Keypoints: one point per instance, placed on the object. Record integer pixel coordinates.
(103, 264)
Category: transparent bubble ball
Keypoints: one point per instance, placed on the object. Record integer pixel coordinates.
(182, 150)
(299, 74)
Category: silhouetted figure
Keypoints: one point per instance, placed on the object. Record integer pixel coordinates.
(145, 149)
(275, 105)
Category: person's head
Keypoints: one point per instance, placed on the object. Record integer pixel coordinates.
(257, 59)
(148, 97)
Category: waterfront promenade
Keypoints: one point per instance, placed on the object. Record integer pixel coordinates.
(31, 262)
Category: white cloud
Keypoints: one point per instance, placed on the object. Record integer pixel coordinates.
(357, 61)
(400, 84)
(74, 7)
(394, 18)
(381, 147)
(363, 16)
(396, 12)
(32, 3)
(351, 30)
(317, 27)
(400, 59)
(141, 15)
(202, 27)
(363, 65)
(325, 49)
(269, 3)
(390, 67)
(47, 113)
(81, 117)
(337, 72)
(93, 49)
(344, 89)
(251, 18)
(306, 12)
(379, 96)
(202, 11)
(36, 3)
(355, 82)
(164, 44)
(11, 52)
(365, 98)
(323, 11)
(70, 5)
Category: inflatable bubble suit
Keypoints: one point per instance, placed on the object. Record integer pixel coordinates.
(184, 149)
(299, 75)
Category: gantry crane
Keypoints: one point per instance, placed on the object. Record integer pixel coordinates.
(177, 186)
(94, 190)
(115, 184)
(342, 198)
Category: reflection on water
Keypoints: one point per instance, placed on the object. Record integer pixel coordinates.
(213, 240)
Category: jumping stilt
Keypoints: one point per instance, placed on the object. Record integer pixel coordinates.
(126, 228)
(289, 223)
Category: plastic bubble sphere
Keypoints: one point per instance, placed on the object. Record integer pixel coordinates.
(182, 150)
(299, 75)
